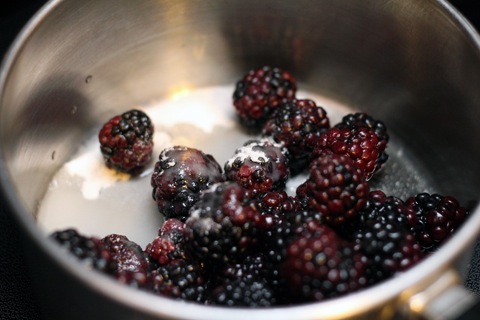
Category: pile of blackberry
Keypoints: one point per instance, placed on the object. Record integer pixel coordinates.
(233, 236)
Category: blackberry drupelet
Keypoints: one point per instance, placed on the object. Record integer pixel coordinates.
(260, 92)
(126, 141)
(359, 142)
(131, 262)
(297, 125)
(336, 188)
(179, 176)
(181, 279)
(384, 237)
(433, 218)
(259, 166)
(90, 250)
(320, 265)
(222, 225)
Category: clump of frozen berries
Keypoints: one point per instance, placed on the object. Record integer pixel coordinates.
(433, 218)
(179, 176)
(126, 141)
(383, 236)
(336, 188)
(297, 125)
(359, 142)
(259, 166)
(320, 265)
(90, 250)
(260, 92)
(131, 262)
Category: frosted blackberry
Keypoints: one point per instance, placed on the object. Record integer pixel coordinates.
(359, 142)
(172, 229)
(131, 262)
(384, 237)
(336, 188)
(260, 92)
(181, 279)
(297, 125)
(126, 141)
(433, 218)
(169, 245)
(259, 166)
(222, 225)
(179, 176)
(90, 250)
(321, 265)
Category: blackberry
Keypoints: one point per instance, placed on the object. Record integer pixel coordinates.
(359, 142)
(126, 141)
(131, 262)
(172, 229)
(297, 125)
(321, 265)
(279, 209)
(260, 166)
(179, 176)
(363, 119)
(245, 291)
(222, 224)
(335, 188)
(181, 279)
(249, 283)
(383, 236)
(433, 218)
(90, 250)
(260, 92)
(168, 246)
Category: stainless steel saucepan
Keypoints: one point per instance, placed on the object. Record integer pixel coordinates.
(413, 64)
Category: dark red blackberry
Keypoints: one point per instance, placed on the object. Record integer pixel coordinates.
(126, 141)
(222, 224)
(131, 262)
(249, 283)
(336, 188)
(260, 92)
(433, 218)
(359, 142)
(363, 119)
(259, 166)
(384, 237)
(90, 250)
(297, 125)
(179, 176)
(321, 265)
(168, 246)
(181, 279)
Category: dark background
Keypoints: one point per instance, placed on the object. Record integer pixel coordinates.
(17, 301)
